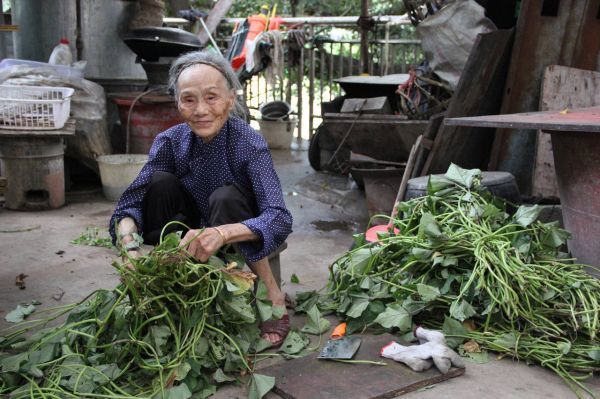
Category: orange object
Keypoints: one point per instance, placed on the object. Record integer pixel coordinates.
(339, 331)
(258, 23)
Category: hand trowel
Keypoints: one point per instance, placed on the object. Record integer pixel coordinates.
(342, 348)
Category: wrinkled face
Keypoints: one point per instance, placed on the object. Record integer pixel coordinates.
(204, 100)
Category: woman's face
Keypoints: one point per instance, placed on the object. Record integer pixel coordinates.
(204, 100)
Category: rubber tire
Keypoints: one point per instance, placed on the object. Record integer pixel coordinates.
(314, 149)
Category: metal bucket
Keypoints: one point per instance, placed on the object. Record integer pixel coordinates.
(34, 171)
(147, 121)
(118, 171)
(278, 134)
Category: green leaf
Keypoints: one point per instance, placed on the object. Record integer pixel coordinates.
(478, 357)
(262, 344)
(454, 332)
(421, 253)
(461, 310)
(237, 308)
(159, 337)
(564, 347)
(20, 313)
(263, 303)
(260, 385)
(179, 392)
(490, 211)
(182, 371)
(306, 300)
(13, 363)
(46, 353)
(106, 373)
(358, 307)
(265, 309)
(463, 177)
(294, 342)
(437, 183)
(594, 354)
(294, 279)
(427, 292)
(526, 215)
(316, 324)
(428, 226)
(506, 340)
(359, 259)
(261, 291)
(278, 312)
(365, 284)
(395, 316)
(555, 237)
(220, 377)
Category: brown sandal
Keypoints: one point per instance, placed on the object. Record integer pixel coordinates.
(280, 327)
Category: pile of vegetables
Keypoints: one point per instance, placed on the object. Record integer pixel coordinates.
(461, 262)
(173, 329)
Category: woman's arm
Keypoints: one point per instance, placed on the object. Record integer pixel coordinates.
(130, 204)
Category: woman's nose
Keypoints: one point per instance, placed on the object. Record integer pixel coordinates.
(200, 108)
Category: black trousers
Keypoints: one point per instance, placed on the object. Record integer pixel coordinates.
(167, 200)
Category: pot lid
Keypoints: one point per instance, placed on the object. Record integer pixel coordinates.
(152, 43)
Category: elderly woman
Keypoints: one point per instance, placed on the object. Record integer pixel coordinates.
(213, 172)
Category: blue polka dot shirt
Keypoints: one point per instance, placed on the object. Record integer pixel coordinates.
(237, 154)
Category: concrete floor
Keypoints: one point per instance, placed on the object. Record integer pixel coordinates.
(327, 211)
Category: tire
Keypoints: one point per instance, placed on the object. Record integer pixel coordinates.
(314, 149)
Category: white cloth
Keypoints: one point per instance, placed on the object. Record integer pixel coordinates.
(432, 350)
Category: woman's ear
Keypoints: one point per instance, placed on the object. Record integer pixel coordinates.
(231, 99)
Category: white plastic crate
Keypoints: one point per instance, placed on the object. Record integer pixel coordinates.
(34, 107)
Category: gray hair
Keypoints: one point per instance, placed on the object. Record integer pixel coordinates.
(215, 60)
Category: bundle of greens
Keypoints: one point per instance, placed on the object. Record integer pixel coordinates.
(460, 262)
(172, 329)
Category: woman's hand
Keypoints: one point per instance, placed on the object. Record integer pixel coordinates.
(201, 245)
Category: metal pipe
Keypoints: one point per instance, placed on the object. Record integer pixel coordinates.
(311, 91)
(382, 19)
(364, 36)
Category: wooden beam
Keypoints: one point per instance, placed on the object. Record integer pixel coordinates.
(214, 18)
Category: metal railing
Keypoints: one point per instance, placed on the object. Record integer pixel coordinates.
(322, 60)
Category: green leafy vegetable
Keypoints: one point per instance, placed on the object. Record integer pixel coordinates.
(93, 237)
(260, 385)
(294, 279)
(172, 329)
(316, 324)
(459, 257)
(20, 313)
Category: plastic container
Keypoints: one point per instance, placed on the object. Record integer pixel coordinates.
(34, 107)
(60, 70)
(278, 134)
(61, 54)
(118, 171)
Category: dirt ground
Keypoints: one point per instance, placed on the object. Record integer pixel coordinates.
(327, 211)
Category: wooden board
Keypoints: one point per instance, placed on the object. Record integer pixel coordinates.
(479, 92)
(383, 137)
(310, 378)
(426, 147)
(563, 87)
(67, 130)
(571, 37)
(586, 120)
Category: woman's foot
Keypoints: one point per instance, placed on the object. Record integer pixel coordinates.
(276, 330)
